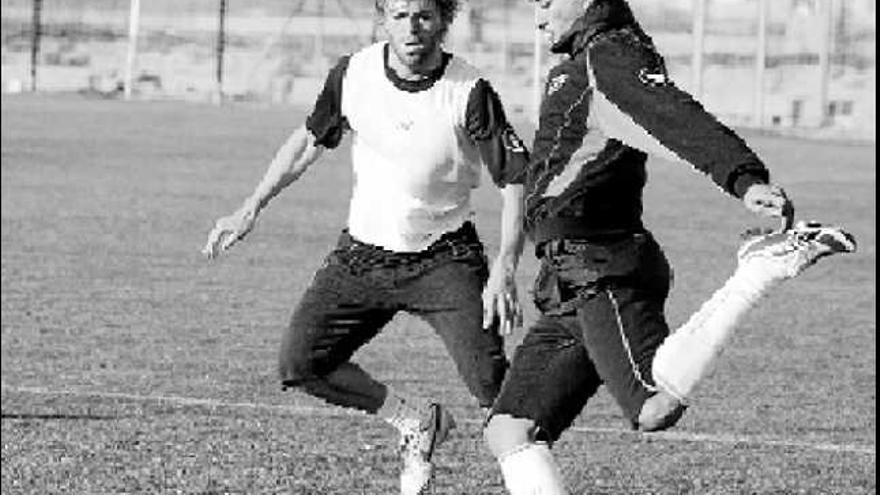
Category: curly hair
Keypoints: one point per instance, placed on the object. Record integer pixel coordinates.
(448, 9)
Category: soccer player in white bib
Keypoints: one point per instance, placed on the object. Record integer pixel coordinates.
(424, 122)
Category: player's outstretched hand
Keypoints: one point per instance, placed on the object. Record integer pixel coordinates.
(770, 200)
(500, 300)
(229, 230)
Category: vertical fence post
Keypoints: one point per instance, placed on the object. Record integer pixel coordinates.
(318, 56)
(760, 63)
(134, 21)
(36, 33)
(537, 72)
(826, 14)
(699, 35)
(221, 46)
(505, 40)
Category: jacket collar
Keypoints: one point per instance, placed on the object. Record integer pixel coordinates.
(599, 17)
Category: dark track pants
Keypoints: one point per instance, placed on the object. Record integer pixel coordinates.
(358, 291)
(602, 320)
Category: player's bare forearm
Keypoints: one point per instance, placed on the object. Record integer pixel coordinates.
(500, 300)
(290, 161)
(512, 236)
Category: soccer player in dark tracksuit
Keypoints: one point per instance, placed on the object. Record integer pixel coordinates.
(603, 279)
(424, 124)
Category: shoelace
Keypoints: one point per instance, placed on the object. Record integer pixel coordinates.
(407, 442)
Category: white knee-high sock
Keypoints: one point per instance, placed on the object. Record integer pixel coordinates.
(401, 412)
(689, 355)
(531, 470)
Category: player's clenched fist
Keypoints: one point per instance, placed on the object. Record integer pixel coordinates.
(770, 200)
(229, 230)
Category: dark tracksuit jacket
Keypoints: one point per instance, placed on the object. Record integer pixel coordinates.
(605, 107)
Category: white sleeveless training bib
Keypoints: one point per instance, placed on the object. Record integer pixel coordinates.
(414, 165)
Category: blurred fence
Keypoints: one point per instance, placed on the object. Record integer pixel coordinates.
(812, 70)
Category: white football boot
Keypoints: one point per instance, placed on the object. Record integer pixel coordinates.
(784, 255)
(417, 445)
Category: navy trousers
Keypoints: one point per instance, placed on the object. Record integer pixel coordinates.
(602, 319)
(361, 287)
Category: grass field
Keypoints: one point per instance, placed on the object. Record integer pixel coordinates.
(132, 365)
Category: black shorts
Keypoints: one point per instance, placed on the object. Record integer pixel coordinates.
(361, 287)
(602, 320)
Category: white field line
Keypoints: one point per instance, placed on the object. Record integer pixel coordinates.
(329, 411)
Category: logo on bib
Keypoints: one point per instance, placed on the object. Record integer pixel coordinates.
(512, 142)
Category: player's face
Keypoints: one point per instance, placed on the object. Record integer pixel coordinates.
(415, 31)
(555, 17)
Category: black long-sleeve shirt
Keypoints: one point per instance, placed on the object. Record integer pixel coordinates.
(607, 107)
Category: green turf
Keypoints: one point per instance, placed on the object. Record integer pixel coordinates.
(106, 204)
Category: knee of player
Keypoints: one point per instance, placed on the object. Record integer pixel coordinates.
(659, 412)
(504, 434)
(296, 372)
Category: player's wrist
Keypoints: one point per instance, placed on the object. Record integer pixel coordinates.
(746, 181)
(506, 263)
(252, 205)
